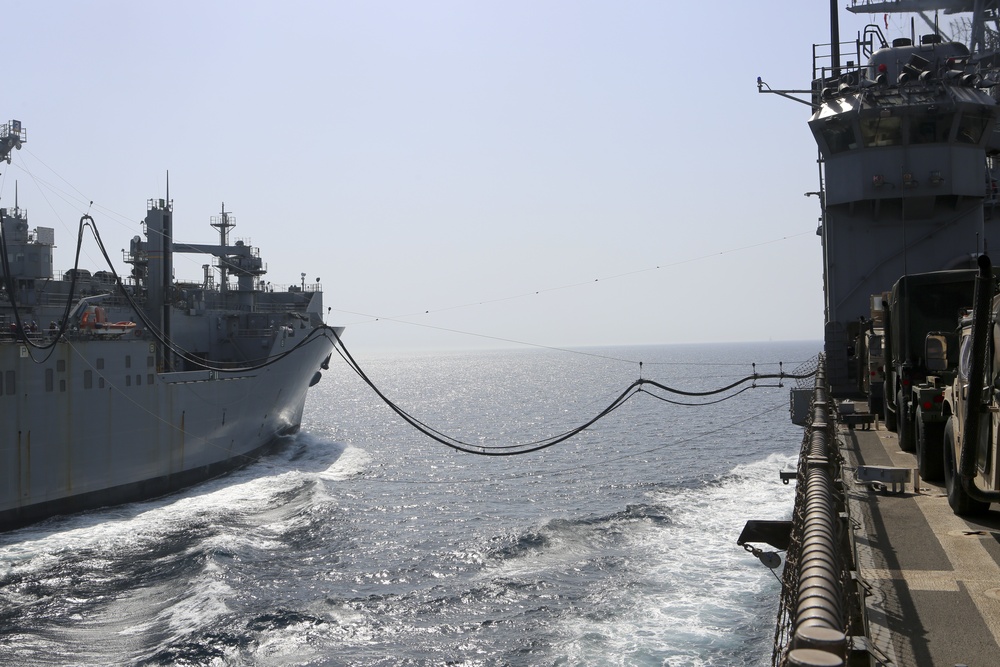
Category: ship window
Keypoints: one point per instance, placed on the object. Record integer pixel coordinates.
(128, 380)
(100, 383)
(149, 378)
(972, 126)
(138, 380)
(839, 136)
(11, 389)
(128, 361)
(88, 379)
(882, 131)
(62, 385)
(49, 379)
(930, 129)
(100, 363)
(61, 365)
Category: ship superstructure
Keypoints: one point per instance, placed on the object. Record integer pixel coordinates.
(906, 142)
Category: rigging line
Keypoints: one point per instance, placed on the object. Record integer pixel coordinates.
(56, 173)
(469, 448)
(69, 198)
(712, 392)
(523, 448)
(498, 338)
(458, 444)
(376, 318)
(360, 372)
(702, 364)
(38, 182)
(496, 450)
(595, 280)
(61, 194)
(683, 441)
(574, 469)
(12, 295)
(698, 405)
(122, 220)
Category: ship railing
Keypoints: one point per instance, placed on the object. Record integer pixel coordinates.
(9, 333)
(59, 300)
(14, 128)
(851, 59)
(293, 289)
(46, 335)
(259, 306)
(266, 332)
(280, 307)
(261, 286)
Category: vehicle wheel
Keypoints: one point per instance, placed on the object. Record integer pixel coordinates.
(904, 426)
(930, 448)
(888, 414)
(960, 502)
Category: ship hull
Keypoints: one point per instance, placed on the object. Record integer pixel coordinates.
(96, 424)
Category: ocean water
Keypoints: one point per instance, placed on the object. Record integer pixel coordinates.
(361, 542)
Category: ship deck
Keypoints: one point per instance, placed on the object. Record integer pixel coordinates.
(933, 578)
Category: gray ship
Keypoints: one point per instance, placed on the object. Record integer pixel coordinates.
(120, 388)
(891, 552)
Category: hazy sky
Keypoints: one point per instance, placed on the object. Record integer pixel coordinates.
(554, 173)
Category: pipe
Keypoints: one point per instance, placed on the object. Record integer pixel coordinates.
(819, 613)
(834, 40)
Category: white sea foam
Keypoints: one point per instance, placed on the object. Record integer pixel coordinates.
(692, 588)
(250, 492)
(353, 461)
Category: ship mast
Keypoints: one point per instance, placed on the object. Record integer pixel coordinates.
(223, 222)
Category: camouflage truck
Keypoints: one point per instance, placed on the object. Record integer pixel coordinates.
(972, 404)
(922, 311)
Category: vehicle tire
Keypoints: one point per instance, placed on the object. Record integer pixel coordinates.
(960, 501)
(888, 414)
(904, 425)
(930, 448)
